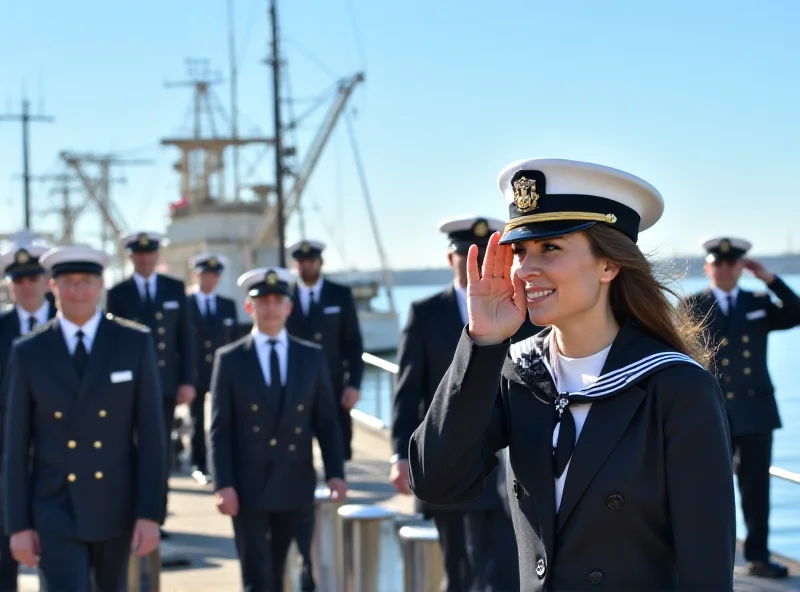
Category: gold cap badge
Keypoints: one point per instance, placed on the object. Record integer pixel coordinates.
(480, 229)
(305, 248)
(22, 256)
(725, 245)
(525, 196)
(213, 262)
(144, 240)
(272, 278)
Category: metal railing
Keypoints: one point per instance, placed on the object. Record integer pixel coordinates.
(392, 368)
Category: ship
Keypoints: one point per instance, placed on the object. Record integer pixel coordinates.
(247, 225)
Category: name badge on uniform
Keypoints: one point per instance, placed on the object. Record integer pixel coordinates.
(121, 376)
(171, 305)
(227, 322)
(755, 314)
(331, 309)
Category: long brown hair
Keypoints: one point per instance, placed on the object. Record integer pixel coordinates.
(640, 296)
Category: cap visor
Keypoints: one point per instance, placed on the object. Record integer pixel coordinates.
(543, 230)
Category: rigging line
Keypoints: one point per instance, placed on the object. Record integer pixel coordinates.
(309, 111)
(310, 56)
(246, 39)
(332, 235)
(387, 275)
(362, 58)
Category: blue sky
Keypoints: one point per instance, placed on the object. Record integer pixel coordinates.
(700, 99)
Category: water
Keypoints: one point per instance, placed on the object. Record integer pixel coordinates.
(782, 355)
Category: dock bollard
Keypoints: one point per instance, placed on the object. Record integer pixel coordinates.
(361, 536)
(422, 558)
(327, 557)
(144, 574)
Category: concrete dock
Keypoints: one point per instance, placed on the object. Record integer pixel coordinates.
(205, 537)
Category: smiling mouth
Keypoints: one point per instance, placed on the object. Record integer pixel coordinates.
(538, 294)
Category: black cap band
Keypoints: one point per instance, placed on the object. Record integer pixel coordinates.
(29, 269)
(89, 267)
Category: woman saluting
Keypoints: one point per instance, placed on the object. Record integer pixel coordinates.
(619, 450)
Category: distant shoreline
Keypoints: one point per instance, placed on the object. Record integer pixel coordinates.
(680, 265)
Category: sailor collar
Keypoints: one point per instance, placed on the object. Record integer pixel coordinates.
(634, 356)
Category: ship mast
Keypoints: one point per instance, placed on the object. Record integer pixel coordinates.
(276, 98)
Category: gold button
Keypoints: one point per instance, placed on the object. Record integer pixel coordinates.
(162, 345)
(300, 407)
(98, 475)
(72, 443)
(161, 363)
(745, 339)
(746, 353)
(291, 447)
(317, 336)
(298, 431)
(729, 395)
(273, 442)
(58, 415)
(71, 477)
(102, 413)
(724, 342)
(98, 444)
(725, 361)
(159, 316)
(254, 407)
(256, 429)
(747, 371)
(208, 344)
(209, 358)
(161, 330)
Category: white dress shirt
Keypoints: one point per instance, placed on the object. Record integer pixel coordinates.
(40, 316)
(202, 297)
(305, 293)
(573, 375)
(722, 297)
(142, 282)
(70, 330)
(264, 349)
(461, 298)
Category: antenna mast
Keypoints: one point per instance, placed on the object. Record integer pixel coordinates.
(276, 98)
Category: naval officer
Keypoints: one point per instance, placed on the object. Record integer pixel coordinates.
(271, 395)
(28, 286)
(477, 537)
(84, 455)
(159, 302)
(739, 322)
(214, 324)
(618, 445)
(324, 312)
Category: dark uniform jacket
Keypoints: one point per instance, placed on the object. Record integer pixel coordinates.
(211, 334)
(648, 502)
(424, 353)
(98, 445)
(740, 362)
(170, 324)
(268, 458)
(334, 326)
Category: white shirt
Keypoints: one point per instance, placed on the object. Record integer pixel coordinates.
(40, 316)
(722, 297)
(305, 293)
(461, 298)
(201, 298)
(264, 349)
(142, 282)
(70, 330)
(573, 375)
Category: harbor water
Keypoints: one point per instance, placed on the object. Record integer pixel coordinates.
(784, 360)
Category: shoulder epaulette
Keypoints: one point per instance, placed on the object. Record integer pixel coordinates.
(128, 323)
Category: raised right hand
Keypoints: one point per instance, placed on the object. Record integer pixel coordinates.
(227, 501)
(25, 547)
(496, 298)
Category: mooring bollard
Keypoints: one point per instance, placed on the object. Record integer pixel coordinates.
(422, 558)
(327, 558)
(144, 574)
(361, 535)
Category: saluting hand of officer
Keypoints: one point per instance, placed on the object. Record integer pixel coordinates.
(25, 547)
(496, 297)
(146, 536)
(757, 269)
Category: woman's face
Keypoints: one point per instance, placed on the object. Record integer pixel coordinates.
(563, 279)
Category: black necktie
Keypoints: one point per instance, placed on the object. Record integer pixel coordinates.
(730, 304)
(208, 308)
(31, 323)
(80, 356)
(566, 442)
(275, 376)
(148, 298)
